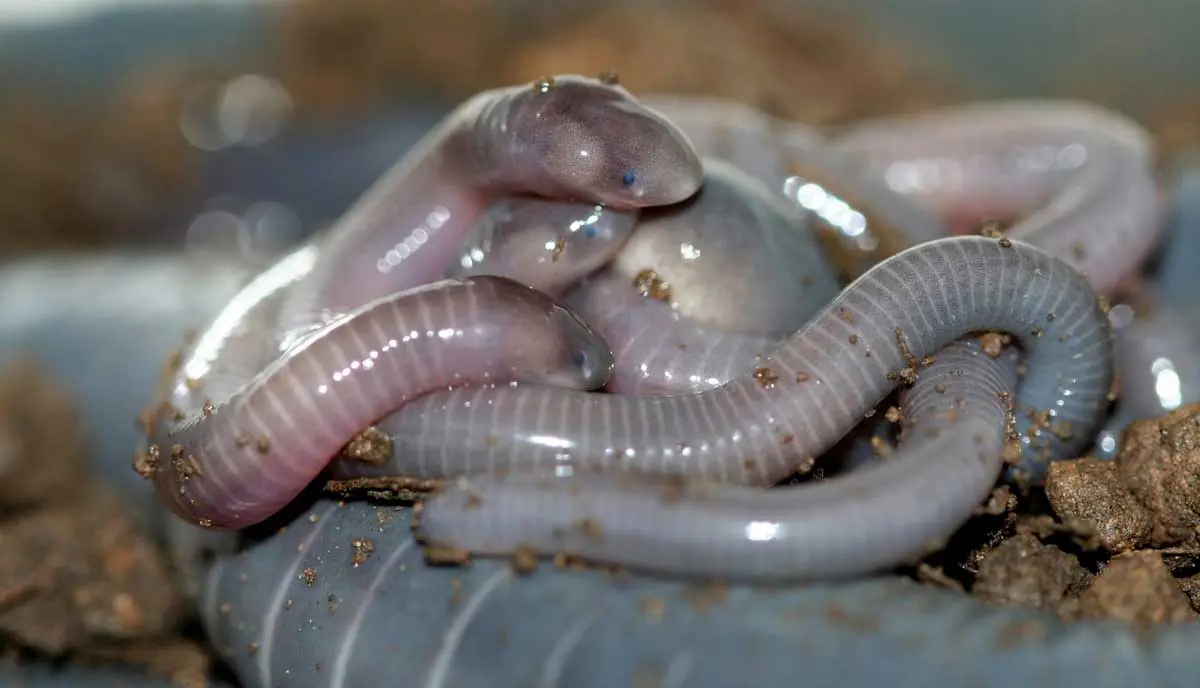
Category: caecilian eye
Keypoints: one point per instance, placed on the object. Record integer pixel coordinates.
(628, 178)
(579, 358)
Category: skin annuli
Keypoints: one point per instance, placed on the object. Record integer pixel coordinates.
(809, 393)
(870, 520)
(675, 329)
(657, 351)
(1005, 161)
(238, 464)
(248, 445)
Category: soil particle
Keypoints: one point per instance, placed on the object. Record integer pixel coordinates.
(371, 446)
(1160, 464)
(1022, 571)
(1149, 495)
(82, 572)
(1090, 491)
(1136, 587)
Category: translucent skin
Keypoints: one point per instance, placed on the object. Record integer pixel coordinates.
(742, 269)
(736, 256)
(754, 431)
(236, 464)
(848, 526)
(656, 349)
(339, 333)
(772, 275)
(486, 626)
(804, 396)
(1076, 180)
(1097, 199)
(547, 245)
(568, 138)
(859, 217)
(1076, 198)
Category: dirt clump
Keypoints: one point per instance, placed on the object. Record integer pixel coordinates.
(80, 578)
(80, 572)
(1107, 539)
(1091, 491)
(1025, 572)
(1148, 496)
(1138, 588)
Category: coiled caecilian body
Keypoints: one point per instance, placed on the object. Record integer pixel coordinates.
(357, 324)
(933, 294)
(536, 430)
(759, 428)
(1105, 193)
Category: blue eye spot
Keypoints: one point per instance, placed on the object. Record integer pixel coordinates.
(589, 232)
(579, 358)
(628, 179)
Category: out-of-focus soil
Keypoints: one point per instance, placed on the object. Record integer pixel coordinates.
(814, 68)
(80, 578)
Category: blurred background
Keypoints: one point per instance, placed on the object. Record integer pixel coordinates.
(246, 124)
(235, 128)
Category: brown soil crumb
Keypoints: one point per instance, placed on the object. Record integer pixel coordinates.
(363, 548)
(1088, 490)
(1024, 572)
(1159, 462)
(1136, 587)
(525, 560)
(446, 556)
(1191, 588)
(650, 285)
(309, 576)
(765, 377)
(993, 343)
(371, 446)
(999, 502)
(41, 444)
(1149, 495)
(80, 573)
